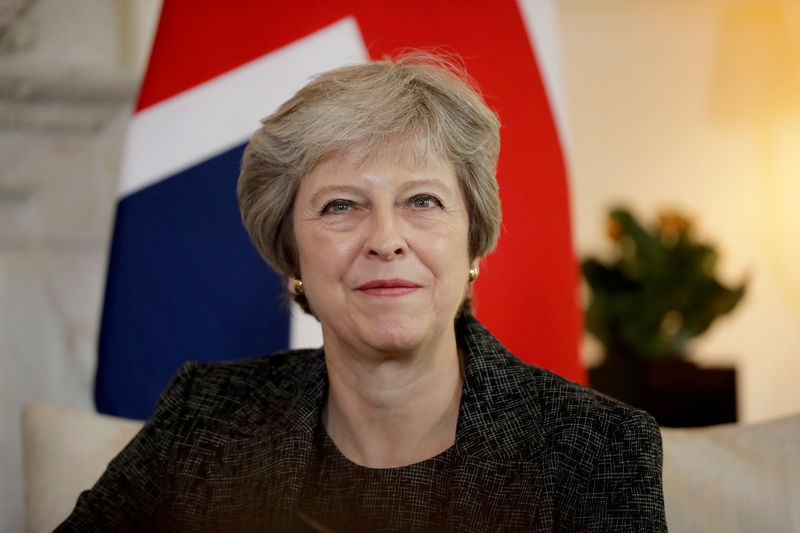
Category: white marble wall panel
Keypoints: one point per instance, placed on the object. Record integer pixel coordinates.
(57, 197)
(68, 75)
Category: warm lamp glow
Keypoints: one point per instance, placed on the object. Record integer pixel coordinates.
(758, 73)
(757, 85)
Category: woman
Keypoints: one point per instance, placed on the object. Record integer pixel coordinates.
(372, 192)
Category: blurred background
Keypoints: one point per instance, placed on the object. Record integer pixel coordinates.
(691, 106)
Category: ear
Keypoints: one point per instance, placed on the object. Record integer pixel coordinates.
(476, 262)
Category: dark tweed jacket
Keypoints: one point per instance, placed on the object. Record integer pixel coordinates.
(229, 445)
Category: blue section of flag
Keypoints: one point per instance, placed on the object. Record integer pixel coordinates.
(183, 283)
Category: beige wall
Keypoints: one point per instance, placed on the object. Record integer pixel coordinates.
(693, 104)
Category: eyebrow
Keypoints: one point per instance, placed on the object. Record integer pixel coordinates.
(357, 191)
(422, 182)
(328, 189)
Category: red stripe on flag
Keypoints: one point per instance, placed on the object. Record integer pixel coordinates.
(527, 292)
(197, 41)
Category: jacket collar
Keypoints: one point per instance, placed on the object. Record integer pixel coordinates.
(499, 424)
(286, 398)
(499, 414)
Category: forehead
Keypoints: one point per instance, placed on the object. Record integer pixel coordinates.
(414, 151)
(395, 161)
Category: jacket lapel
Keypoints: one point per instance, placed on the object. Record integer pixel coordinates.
(272, 434)
(499, 475)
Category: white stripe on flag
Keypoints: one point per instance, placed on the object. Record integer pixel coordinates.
(304, 330)
(217, 115)
(541, 21)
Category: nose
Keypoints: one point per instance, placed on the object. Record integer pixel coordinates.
(385, 238)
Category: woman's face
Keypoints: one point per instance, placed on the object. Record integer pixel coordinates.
(383, 250)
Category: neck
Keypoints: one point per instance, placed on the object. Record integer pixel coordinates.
(389, 410)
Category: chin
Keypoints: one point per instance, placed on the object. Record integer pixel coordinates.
(402, 332)
(391, 336)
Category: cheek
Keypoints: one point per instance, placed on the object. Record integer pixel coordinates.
(454, 240)
(445, 252)
(325, 251)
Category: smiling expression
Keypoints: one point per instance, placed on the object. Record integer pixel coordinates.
(383, 250)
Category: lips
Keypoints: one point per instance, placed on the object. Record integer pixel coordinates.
(388, 287)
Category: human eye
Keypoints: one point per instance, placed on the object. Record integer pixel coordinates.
(424, 201)
(337, 206)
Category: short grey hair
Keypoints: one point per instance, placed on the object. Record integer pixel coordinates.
(421, 101)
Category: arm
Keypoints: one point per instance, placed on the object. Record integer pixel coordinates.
(128, 494)
(624, 490)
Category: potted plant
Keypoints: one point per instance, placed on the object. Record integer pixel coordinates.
(658, 292)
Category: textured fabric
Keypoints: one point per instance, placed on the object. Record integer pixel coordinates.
(230, 445)
(343, 496)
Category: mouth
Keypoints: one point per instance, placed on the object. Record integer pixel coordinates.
(388, 287)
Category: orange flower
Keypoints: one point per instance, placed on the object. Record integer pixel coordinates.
(613, 229)
(672, 224)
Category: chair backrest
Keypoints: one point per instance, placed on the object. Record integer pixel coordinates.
(65, 451)
(733, 478)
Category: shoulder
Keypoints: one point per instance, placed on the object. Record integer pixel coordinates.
(568, 407)
(599, 459)
(205, 407)
(231, 394)
(280, 373)
(564, 413)
(604, 457)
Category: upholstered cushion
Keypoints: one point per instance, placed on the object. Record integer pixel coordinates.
(733, 478)
(66, 450)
